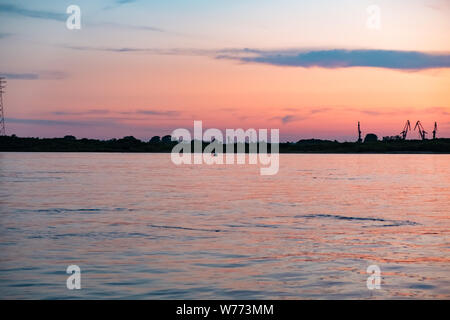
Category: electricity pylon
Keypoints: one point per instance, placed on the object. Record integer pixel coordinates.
(2, 118)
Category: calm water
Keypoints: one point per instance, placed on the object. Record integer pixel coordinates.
(140, 227)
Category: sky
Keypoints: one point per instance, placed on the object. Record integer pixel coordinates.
(311, 69)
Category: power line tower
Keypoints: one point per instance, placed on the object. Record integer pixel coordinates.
(2, 118)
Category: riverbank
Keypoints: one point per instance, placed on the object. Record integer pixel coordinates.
(131, 144)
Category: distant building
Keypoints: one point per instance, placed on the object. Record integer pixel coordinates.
(370, 137)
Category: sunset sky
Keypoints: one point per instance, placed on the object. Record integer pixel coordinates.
(144, 68)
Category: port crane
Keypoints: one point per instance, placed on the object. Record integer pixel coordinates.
(435, 130)
(422, 131)
(406, 129)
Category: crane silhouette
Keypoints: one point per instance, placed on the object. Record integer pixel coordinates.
(406, 129)
(359, 133)
(422, 131)
(435, 130)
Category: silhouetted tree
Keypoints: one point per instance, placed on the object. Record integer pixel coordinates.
(155, 139)
(130, 139)
(166, 139)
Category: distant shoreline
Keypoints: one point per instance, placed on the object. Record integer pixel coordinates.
(133, 145)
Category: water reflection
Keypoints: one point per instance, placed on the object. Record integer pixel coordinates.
(140, 227)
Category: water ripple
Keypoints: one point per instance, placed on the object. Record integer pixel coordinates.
(392, 223)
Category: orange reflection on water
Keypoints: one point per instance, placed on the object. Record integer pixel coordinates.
(141, 227)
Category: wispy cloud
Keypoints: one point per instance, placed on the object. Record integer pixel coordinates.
(20, 76)
(319, 110)
(157, 112)
(124, 1)
(44, 75)
(118, 3)
(81, 113)
(439, 110)
(50, 122)
(330, 59)
(377, 113)
(31, 13)
(301, 113)
(99, 112)
(53, 75)
(288, 118)
(5, 35)
(128, 26)
(150, 51)
(49, 15)
(391, 111)
(340, 58)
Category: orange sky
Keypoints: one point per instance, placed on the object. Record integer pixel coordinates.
(164, 80)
